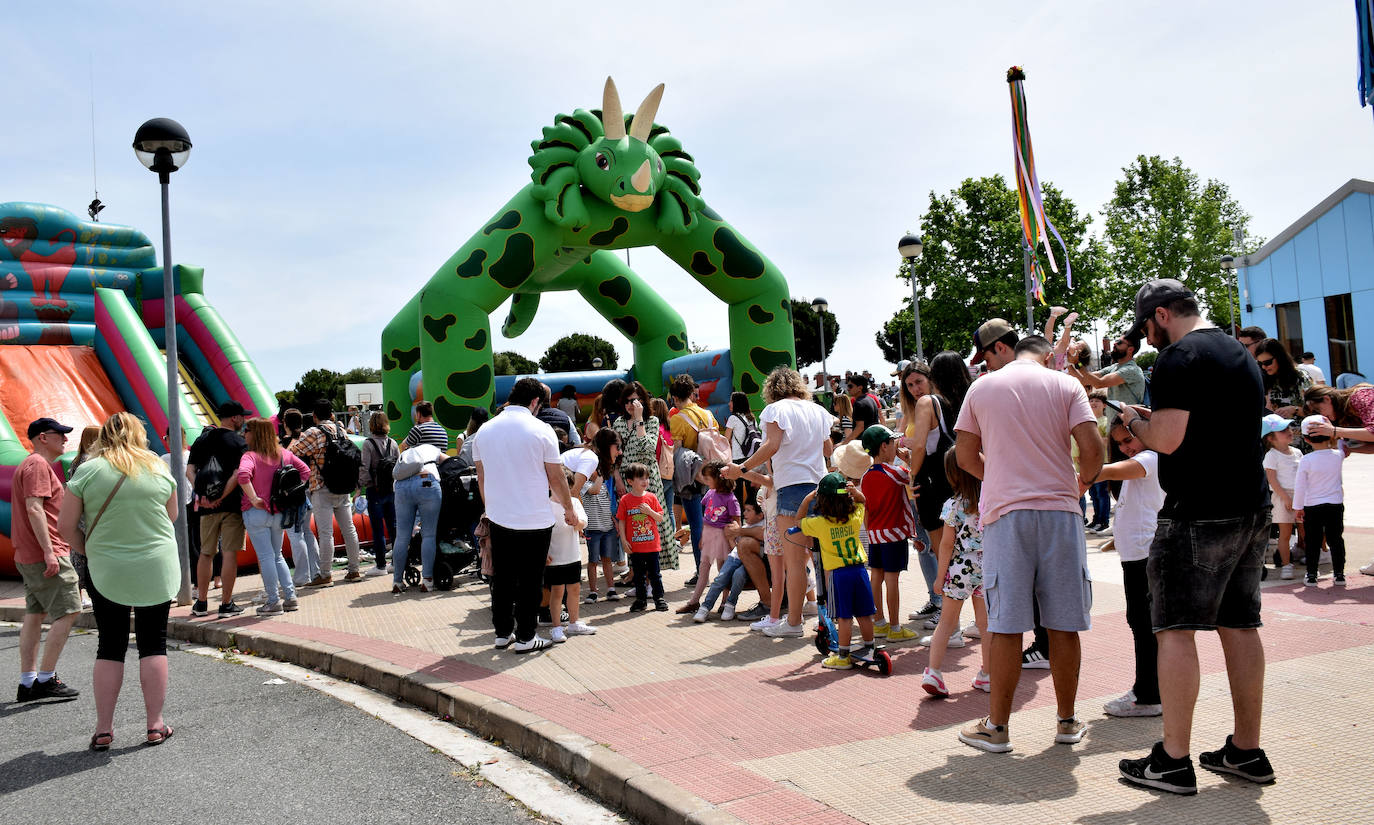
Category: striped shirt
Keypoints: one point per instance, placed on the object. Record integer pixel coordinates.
(428, 432)
(889, 513)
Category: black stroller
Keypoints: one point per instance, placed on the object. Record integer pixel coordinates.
(461, 508)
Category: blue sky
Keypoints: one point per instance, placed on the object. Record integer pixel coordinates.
(344, 150)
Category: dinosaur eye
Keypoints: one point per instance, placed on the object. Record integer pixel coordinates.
(602, 162)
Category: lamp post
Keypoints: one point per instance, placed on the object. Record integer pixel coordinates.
(1228, 265)
(596, 363)
(909, 247)
(163, 146)
(819, 306)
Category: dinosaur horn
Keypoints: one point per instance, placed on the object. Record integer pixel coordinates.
(644, 116)
(612, 116)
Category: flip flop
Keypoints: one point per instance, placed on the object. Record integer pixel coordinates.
(164, 733)
(97, 745)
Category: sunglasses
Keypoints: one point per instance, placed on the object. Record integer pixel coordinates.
(1265, 362)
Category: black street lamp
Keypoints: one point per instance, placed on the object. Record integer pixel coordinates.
(819, 306)
(163, 146)
(909, 247)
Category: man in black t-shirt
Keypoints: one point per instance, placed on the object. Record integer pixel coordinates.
(866, 412)
(221, 518)
(1207, 555)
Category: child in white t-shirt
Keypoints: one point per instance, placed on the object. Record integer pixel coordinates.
(563, 571)
(1281, 468)
(1319, 501)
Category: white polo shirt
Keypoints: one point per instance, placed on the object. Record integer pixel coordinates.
(512, 452)
(1137, 511)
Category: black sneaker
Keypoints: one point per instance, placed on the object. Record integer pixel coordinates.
(638, 606)
(1252, 765)
(1033, 659)
(753, 614)
(612, 596)
(25, 693)
(926, 612)
(661, 605)
(54, 688)
(545, 617)
(1161, 771)
(690, 582)
(229, 609)
(200, 609)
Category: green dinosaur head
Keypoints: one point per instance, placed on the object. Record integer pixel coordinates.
(620, 168)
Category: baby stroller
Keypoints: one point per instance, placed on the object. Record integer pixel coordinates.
(462, 506)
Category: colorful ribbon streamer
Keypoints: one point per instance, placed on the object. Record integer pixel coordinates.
(1035, 226)
(1364, 37)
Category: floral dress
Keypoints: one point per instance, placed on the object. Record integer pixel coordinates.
(965, 575)
(1280, 397)
(642, 449)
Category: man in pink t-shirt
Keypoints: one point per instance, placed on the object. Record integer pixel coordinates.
(42, 558)
(1014, 432)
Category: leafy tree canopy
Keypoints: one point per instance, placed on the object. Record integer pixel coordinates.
(513, 363)
(574, 353)
(808, 333)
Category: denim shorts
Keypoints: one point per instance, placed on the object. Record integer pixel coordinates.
(790, 498)
(603, 544)
(1205, 574)
(888, 556)
(1037, 557)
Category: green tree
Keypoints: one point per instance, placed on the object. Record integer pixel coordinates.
(971, 268)
(808, 333)
(513, 363)
(574, 353)
(286, 398)
(321, 383)
(1164, 222)
(363, 375)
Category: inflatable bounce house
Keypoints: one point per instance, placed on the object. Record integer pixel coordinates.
(600, 181)
(81, 337)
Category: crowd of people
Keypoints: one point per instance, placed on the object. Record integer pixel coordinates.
(986, 481)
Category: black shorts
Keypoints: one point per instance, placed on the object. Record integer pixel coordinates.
(1205, 573)
(563, 574)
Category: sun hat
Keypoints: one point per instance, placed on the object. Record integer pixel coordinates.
(851, 460)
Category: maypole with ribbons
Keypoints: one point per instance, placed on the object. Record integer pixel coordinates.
(1035, 225)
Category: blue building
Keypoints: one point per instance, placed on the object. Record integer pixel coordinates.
(1312, 286)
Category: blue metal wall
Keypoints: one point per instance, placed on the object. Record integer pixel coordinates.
(1332, 256)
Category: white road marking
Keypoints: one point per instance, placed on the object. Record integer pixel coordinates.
(545, 794)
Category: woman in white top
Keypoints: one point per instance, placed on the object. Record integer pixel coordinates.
(417, 494)
(796, 438)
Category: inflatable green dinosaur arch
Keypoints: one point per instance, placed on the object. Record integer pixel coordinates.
(596, 186)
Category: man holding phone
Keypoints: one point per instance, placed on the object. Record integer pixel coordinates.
(1124, 380)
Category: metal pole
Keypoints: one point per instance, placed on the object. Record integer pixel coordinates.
(1230, 306)
(820, 320)
(174, 440)
(915, 306)
(1026, 273)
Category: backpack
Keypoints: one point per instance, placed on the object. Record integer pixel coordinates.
(383, 474)
(752, 438)
(288, 492)
(665, 458)
(342, 460)
(711, 445)
(210, 480)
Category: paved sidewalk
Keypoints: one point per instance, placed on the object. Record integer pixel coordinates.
(755, 727)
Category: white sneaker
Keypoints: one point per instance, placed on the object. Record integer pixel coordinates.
(956, 639)
(1368, 569)
(390, 568)
(375, 571)
(1286, 572)
(727, 612)
(764, 623)
(85, 602)
(1325, 557)
(557, 636)
(782, 628)
(971, 631)
(580, 628)
(1127, 706)
(933, 682)
(983, 682)
(536, 642)
(700, 615)
(810, 609)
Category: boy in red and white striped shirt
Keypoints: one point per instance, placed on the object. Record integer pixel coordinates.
(890, 525)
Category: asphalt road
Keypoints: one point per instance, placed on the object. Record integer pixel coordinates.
(244, 751)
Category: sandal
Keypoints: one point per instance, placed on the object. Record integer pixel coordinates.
(97, 745)
(164, 732)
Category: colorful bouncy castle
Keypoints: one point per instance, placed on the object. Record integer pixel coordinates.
(81, 336)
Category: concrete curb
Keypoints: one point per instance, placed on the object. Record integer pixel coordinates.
(612, 778)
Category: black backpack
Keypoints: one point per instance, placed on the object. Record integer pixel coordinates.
(288, 491)
(752, 439)
(342, 460)
(210, 480)
(383, 475)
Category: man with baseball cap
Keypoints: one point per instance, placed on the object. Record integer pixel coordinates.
(43, 559)
(993, 342)
(1207, 554)
(1014, 433)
